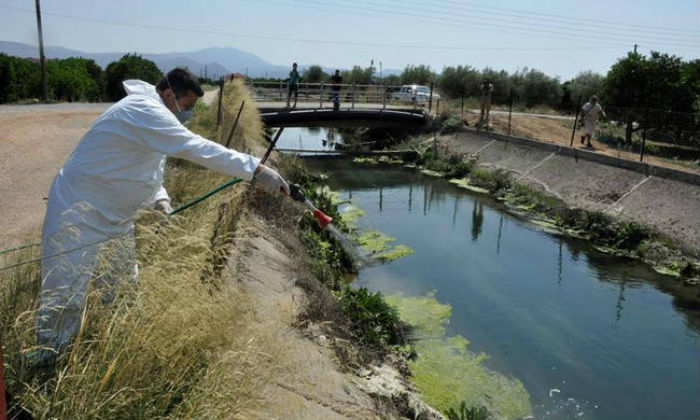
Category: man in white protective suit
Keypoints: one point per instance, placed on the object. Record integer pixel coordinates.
(115, 171)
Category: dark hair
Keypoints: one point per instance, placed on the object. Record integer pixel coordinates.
(181, 81)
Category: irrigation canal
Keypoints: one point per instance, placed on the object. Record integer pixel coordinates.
(589, 335)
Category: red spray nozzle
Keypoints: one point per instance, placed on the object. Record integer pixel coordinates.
(298, 194)
(323, 218)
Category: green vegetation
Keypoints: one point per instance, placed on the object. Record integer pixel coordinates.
(467, 413)
(130, 66)
(649, 93)
(446, 372)
(70, 79)
(417, 74)
(373, 319)
(452, 167)
(378, 244)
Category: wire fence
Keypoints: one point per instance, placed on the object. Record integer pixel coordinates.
(663, 137)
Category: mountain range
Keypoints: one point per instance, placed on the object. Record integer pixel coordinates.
(212, 62)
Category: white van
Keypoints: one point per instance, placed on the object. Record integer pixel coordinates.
(411, 93)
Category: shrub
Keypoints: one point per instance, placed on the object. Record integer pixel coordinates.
(494, 181)
(372, 317)
(464, 413)
(130, 66)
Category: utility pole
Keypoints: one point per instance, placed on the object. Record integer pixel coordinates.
(635, 48)
(42, 59)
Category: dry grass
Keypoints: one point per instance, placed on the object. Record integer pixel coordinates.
(174, 345)
(249, 133)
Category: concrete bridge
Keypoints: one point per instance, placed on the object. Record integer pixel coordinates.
(380, 118)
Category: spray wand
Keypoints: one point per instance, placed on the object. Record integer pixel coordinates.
(297, 194)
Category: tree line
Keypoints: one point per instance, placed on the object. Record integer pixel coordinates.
(658, 91)
(72, 79)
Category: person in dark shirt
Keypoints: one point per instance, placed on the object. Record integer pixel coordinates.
(293, 85)
(336, 80)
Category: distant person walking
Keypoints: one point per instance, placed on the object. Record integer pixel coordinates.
(486, 92)
(293, 85)
(336, 80)
(589, 118)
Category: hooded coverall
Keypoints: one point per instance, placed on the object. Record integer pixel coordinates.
(116, 170)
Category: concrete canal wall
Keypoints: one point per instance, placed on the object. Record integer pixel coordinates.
(666, 199)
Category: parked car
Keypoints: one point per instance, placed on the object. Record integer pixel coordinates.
(414, 93)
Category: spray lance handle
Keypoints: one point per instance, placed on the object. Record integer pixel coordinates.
(297, 193)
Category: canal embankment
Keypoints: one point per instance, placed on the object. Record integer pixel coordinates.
(664, 199)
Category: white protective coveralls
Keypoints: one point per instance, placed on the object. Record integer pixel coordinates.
(116, 170)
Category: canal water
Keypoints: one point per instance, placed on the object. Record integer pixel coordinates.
(590, 336)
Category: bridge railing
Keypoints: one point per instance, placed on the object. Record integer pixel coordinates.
(351, 95)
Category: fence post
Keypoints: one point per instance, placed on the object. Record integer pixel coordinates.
(218, 109)
(280, 91)
(383, 96)
(353, 96)
(510, 111)
(463, 107)
(437, 107)
(430, 100)
(321, 105)
(644, 134)
(578, 111)
(235, 123)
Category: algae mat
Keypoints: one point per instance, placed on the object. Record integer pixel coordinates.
(446, 372)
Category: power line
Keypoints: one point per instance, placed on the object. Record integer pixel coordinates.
(465, 4)
(307, 40)
(448, 21)
(530, 20)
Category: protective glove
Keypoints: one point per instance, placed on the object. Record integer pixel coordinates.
(164, 206)
(270, 181)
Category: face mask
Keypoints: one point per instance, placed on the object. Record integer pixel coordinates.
(181, 115)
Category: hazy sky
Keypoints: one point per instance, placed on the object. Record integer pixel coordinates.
(559, 37)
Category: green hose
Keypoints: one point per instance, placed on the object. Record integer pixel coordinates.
(17, 248)
(207, 195)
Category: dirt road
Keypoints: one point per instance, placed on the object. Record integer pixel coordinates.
(35, 140)
(557, 129)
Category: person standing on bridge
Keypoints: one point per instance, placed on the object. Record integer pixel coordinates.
(115, 171)
(486, 92)
(336, 80)
(589, 118)
(293, 85)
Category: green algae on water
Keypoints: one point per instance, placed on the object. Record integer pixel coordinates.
(374, 240)
(365, 160)
(446, 372)
(378, 244)
(432, 173)
(429, 316)
(334, 196)
(395, 253)
(463, 183)
(350, 214)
